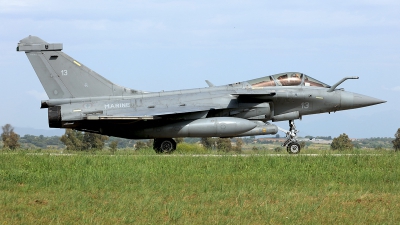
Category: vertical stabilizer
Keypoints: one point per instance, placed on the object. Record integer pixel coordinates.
(63, 76)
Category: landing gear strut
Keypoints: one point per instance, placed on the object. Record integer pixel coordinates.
(291, 144)
(164, 145)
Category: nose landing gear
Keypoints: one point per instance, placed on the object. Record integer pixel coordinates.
(291, 143)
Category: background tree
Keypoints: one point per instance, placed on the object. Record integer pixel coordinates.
(9, 137)
(239, 144)
(342, 142)
(72, 139)
(150, 143)
(77, 140)
(302, 144)
(208, 143)
(31, 141)
(140, 145)
(396, 141)
(93, 141)
(113, 146)
(122, 142)
(224, 144)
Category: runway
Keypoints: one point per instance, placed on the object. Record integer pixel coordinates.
(206, 155)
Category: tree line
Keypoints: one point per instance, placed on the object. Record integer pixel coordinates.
(86, 141)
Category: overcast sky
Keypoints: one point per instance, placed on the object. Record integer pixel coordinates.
(169, 45)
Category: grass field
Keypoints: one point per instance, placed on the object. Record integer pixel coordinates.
(183, 189)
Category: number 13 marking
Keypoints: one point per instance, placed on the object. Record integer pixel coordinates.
(305, 105)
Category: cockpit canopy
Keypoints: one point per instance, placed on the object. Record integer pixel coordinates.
(286, 79)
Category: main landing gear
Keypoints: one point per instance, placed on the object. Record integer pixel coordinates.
(291, 144)
(164, 145)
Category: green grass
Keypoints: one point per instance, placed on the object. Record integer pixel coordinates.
(148, 189)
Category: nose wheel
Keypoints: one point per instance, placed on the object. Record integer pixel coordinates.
(291, 143)
(293, 148)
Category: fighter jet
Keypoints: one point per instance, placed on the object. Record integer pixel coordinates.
(81, 99)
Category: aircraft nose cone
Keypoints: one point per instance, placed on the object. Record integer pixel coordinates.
(362, 101)
(353, 100)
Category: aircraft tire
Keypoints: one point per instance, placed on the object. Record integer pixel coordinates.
(293, 148)
(164, 145)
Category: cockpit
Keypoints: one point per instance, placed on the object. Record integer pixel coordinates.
(286, 79)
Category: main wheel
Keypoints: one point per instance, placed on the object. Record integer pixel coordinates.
(164, 145)
(293, 148)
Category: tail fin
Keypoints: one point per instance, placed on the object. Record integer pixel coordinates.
(63, 76)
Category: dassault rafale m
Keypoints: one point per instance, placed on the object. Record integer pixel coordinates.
(81, 99)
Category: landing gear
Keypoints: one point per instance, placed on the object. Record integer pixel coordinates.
(291, 144)
(293, 148)
(164, 145)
